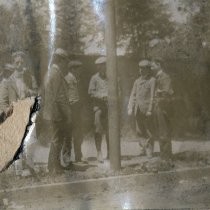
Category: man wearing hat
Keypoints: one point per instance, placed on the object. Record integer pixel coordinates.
(56, 108)
(162, 109)
(72, 79)
(98, 90)
(7, 94)
(141, 104)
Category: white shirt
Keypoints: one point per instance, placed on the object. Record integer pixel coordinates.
(98, 86)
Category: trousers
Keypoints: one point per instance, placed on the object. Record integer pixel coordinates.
(59, 134)
(146, 127)
(163, 129)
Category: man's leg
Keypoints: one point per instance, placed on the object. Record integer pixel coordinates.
(140, 119)
(107, 143)
(77, 136)
(67, 147)
(77, 131)
(149, 124)
(98, 134)
(164, 134)
(55, 148)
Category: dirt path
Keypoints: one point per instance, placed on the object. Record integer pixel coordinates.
(155, 191)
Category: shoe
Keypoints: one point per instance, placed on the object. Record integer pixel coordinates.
(81, 160)
(107, 157)
(70, 166)
(142, 153)
(149, 153)
(54, 172)
(100, 157)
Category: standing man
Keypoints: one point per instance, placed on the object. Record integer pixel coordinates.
(163, 109)
(6, 98)
(72, 79)
(22, 76)
(56, 108)
(98, 90)
(141, 104)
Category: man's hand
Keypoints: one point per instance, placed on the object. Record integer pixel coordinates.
(130, 111)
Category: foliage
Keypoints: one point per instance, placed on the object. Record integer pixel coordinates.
(142, 21)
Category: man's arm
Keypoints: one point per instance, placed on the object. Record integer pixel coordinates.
(132, 99)
(92, 87)
(166, 87)
(152, 95)
(4, 97)
(6, 109)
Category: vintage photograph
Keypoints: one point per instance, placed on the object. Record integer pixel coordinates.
(104, 104)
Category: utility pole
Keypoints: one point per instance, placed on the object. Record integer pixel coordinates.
(113, 99)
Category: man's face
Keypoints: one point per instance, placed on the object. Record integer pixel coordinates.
(102, 69)
(76, 70)
(62, 63)
(156, 67)
(19, 63)
(144, 71)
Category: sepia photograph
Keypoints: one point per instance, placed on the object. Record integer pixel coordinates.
(104, 104)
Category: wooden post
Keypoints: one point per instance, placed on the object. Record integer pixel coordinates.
(113, 100)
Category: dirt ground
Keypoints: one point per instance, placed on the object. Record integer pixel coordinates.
(95, 170)
(153, 192)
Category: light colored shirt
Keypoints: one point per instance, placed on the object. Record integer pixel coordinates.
(98, 87)
(73, 93)
(22, 89)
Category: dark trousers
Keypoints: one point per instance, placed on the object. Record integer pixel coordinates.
(76, 130)
(146, 127)
(163, 130)
(59, 134)
(101, 123)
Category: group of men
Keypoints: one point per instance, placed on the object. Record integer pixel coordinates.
(62, 107)
(149, 101)
(17, 83)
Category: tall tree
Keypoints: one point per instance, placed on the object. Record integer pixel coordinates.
(141, 21)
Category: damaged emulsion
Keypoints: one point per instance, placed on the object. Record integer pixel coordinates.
(34, 109)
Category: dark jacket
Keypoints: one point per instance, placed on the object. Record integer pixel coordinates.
(56, 105)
